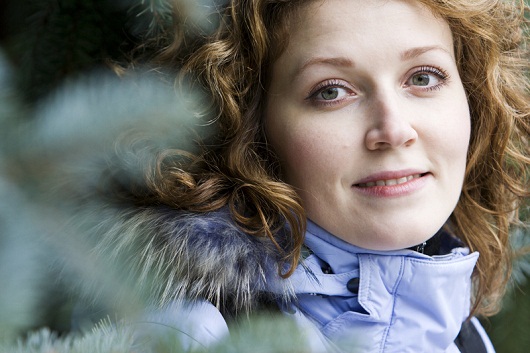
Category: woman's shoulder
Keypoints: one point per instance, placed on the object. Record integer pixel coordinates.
(191, 324)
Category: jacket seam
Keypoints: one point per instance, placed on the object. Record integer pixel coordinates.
(394, 299)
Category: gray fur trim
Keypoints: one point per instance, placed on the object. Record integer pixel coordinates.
(172, 255)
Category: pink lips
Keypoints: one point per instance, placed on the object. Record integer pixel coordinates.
(392, 184)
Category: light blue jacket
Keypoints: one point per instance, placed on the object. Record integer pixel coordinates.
(373, 301)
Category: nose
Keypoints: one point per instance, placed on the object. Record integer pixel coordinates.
(389, 126)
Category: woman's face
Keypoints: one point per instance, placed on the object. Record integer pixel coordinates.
(368, 115)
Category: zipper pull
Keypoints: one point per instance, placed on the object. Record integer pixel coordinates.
(421, 248)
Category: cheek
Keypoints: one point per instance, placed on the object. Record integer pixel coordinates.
(300, 143)
(297, 149)
(449, 133)
(459, 134)
(449, 148)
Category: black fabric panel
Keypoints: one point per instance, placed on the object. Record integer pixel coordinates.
(469, 339)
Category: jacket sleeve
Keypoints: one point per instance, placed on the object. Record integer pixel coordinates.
(192, 325)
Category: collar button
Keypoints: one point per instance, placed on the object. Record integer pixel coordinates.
(353, 285)
(326, 269)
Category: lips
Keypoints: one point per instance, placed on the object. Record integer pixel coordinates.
(389, 179)
(389, 182)
(393, 184)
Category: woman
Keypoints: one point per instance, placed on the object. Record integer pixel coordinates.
(367, 152)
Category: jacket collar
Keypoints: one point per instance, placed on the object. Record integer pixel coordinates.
(390, 301)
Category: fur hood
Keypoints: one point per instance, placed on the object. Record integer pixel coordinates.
(169, 255)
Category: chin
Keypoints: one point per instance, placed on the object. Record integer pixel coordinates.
(393, 238)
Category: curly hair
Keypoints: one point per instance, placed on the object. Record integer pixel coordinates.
(237, 169)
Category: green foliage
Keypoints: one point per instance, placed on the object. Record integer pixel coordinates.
(508, 330)
(261, 335)
(154, 17)
(62, 38)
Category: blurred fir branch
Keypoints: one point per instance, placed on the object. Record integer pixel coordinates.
(45, 263)
(508, 329)
(520, 240)
(261, 335)
(49, 164)
(60, 38)
(154, 17)
(50, 41)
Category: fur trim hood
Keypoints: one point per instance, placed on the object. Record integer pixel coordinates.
(170, 255)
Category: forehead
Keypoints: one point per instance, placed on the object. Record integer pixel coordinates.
(306, 9)
(357, 17)
(322, 27)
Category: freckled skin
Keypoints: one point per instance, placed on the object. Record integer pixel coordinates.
(364, 89)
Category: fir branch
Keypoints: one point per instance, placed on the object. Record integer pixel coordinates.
(153, 18)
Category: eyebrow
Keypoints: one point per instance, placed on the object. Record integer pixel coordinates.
(415, 52)
(334, 61)
(346, 62)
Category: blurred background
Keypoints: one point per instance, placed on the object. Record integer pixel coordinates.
(61, 106)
